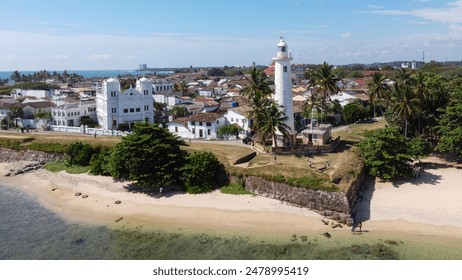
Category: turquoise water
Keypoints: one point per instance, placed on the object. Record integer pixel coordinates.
(29, 231)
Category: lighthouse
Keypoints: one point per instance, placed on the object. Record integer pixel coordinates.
(283, 87)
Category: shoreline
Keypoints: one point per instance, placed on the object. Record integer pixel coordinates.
(211, 212)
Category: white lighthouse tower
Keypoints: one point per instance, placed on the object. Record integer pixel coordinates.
(283, 86)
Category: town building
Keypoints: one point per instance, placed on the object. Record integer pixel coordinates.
(72, 114)
(162, 85)
(239, 116)
(115, 107)
(199, 126)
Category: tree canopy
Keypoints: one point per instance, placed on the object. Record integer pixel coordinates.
(450, 127)
(202, 172)
(386, 154)
(150, 155)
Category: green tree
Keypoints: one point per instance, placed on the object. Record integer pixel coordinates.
(14, 113)
(181, 87)
(150, 155)
(202, 172)
(160, 112)
(419, 147)
(257, 92)
(326, 82)
(386, 154)
(353, 112)
(450, 127)
(227, 131)
(16, 76)
(404, 104)
(178, 111)
(274, 122)
(377, 89)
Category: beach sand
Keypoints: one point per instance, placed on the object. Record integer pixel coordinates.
(429, 205)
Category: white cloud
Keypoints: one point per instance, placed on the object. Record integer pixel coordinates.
(449, 14)
(345, 34)
(375, 7)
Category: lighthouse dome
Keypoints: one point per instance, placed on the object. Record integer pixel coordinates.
(282, 43)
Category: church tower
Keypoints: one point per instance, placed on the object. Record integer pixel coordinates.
(283, 84)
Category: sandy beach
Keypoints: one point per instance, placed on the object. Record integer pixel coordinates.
(429, 205)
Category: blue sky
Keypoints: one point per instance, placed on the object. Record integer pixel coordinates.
(120, 34)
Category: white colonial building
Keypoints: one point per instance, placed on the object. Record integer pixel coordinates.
(115, 107)
(199, 126)
(71, 114)
(162, 85)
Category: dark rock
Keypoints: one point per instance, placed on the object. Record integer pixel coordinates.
(326, 234)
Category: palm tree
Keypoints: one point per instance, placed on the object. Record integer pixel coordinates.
(15, 113)
(377, 89)
(257, 85)
(274, 121)
(160, 109)
(257, 92)
(324, 78)
(422, 93)
(182, 87)
(178, 111)
(404, 104)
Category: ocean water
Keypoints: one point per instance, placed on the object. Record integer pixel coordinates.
(91, 73)
(29, 231)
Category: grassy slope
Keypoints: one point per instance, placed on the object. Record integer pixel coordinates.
(343, 163)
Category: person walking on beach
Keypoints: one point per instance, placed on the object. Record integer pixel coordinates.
(160, 192)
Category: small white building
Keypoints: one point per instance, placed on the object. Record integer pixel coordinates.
(240, 116)
(18, 93)
(115, 107)
(199, 126)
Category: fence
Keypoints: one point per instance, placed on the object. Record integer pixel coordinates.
(87, 130)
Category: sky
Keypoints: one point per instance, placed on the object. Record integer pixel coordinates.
(121, 35)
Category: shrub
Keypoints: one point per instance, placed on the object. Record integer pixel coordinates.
(99, 163)
(79, 153)
(202, 172)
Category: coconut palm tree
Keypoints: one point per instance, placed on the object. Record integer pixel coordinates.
(274, 122)
(324, 79)
(181, 87)
(257, 85)
(422, 93)
(404, 104)
(15, 113)
(160, 110)
(377, 89)
(257, 92)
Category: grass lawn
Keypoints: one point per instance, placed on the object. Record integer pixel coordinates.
(226, 153)
(57, 166)
(353, 132)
